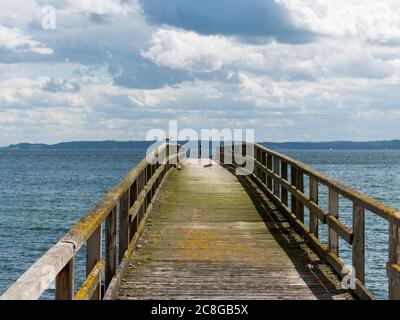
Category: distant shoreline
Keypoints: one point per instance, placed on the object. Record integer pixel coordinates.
(333, 145)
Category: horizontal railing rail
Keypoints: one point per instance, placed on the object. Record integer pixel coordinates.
(282, 178)
(126, 204)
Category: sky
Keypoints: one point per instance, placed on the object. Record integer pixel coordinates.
(304, 70)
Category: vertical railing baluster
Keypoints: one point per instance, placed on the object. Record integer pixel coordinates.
(111, 246)
(93, 255)
(394, 257)
(358, 245)
(313, 227)
(276, 171)
(300, 187)
(284, 175)
(123, 225)
(65, 282)
(293, 182)
(333, 238)
(269, 166)
(264, 163)
(258, 158)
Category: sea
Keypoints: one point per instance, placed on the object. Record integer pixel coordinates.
(43, 193)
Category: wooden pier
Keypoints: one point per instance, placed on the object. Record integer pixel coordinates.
(194, 229)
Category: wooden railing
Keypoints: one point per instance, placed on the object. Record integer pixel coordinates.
(281, 176)
(127, 204)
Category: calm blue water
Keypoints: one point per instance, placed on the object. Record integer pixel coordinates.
(43, 193)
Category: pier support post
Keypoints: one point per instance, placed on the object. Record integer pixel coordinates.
(269, 167)
(111, 246)
(284, 175)
(300, 187)
(277, 172)
(65, 282)
(333, 238)
(123, 225)
(93, 255)
(394, 261)
(293, 199)
(358, 256)
(314, 198)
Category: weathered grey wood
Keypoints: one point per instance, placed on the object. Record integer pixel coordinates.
(93, 255)
(385, 211)
(269, 166)
(333, 238)
(394, 258)
(284, 174)
(111, 247)
(65, 282)
(314, 197)
(300, 187)
(217, 248)
(358, 255)
(277, 172)
(293, 182)
(90, 288)
(123, 224)
(264, 161)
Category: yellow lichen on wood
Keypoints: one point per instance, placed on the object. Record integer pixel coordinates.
(91, 283)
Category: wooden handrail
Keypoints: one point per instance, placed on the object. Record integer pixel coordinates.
(58, 263)
(271, 174)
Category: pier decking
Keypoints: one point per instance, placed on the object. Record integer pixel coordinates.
(210, 236)
(190, 229)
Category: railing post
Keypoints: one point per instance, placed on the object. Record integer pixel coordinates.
(269, 166)
(132, 198)
(276, 171)
(264, 163)
(333, 238)
(93, 255)
(111, 246)
(284, 175)
(65, 282)
(358, 256)
(293, 199)
(394, 258)
(300, 187)
(313, 197)
(123, 225)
